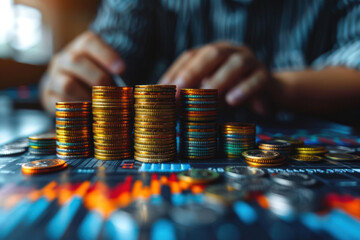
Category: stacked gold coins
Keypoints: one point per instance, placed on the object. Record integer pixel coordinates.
(280, 147)
(310, 150)
(112, 113)
(198, 123)
(155, 123)
(262, 158)
(43, 144)
(237, 138)
(73, 129)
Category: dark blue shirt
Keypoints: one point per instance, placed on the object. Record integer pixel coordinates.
(284, 34)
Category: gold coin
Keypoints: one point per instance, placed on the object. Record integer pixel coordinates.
(260, 154)
(257, 165)
(306, 158)
(342, 157)
(267, 161)
(43, 137)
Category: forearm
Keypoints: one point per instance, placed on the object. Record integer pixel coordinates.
(330, 89)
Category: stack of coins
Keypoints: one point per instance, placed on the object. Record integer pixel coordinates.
(281, 147)
(198, 123)
(311, 150)
(43, 144)
(112, 127)
(73, 130)
(155, 123)
(262, 158)
(237, 138)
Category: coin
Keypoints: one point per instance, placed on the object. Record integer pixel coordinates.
(73, 130)
(198, 123)
(306, 158)
(261, 154)
(155, 121)
(43, 166)
(342, 156)
(224, 193)
(240, 172)
(293, 141)
(9, 152)
(340, 149)
(293, 179)
(237, 138)
(198, 176)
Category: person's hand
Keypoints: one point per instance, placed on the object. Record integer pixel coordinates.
(233, 70)
(86, 62)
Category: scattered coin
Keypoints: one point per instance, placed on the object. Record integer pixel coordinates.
(340, 149)
(198, 176)
(241, 172)
(306, 158)
(224, 193)
(258, 184)
(4, 152)
(342, 156)
(293, 179)
(43, 166)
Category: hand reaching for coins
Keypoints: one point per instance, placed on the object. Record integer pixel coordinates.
(233, 70)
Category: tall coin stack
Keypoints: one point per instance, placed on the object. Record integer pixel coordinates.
(73, 130)
(198, 123)
(112, 127)
(155, 123)
(237, 138)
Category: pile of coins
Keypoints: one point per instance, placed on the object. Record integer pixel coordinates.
(198, 123)
(43, 166)
(155, 123)
(73, 130)
(310, 150)
(262, 158)
(237, 138)
(113, 114)
(281, 147)
(43, 144)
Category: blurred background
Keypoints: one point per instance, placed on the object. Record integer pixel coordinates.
(31, 32)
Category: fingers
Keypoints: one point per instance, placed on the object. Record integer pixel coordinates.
(192, 67)
(243, 90)
(170, 76)
(92, 46)
(70, 88)
(237, 66)
(84, 69)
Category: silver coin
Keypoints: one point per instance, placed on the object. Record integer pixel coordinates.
(9, 152)
(251, 184)
(289, 201)
(223, 193)
(197, 215)
(276, 144)
(241, 172)
(22, 143)
(293, 179)
(340, 149)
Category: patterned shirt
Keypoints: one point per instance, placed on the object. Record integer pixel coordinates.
(283, 34)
